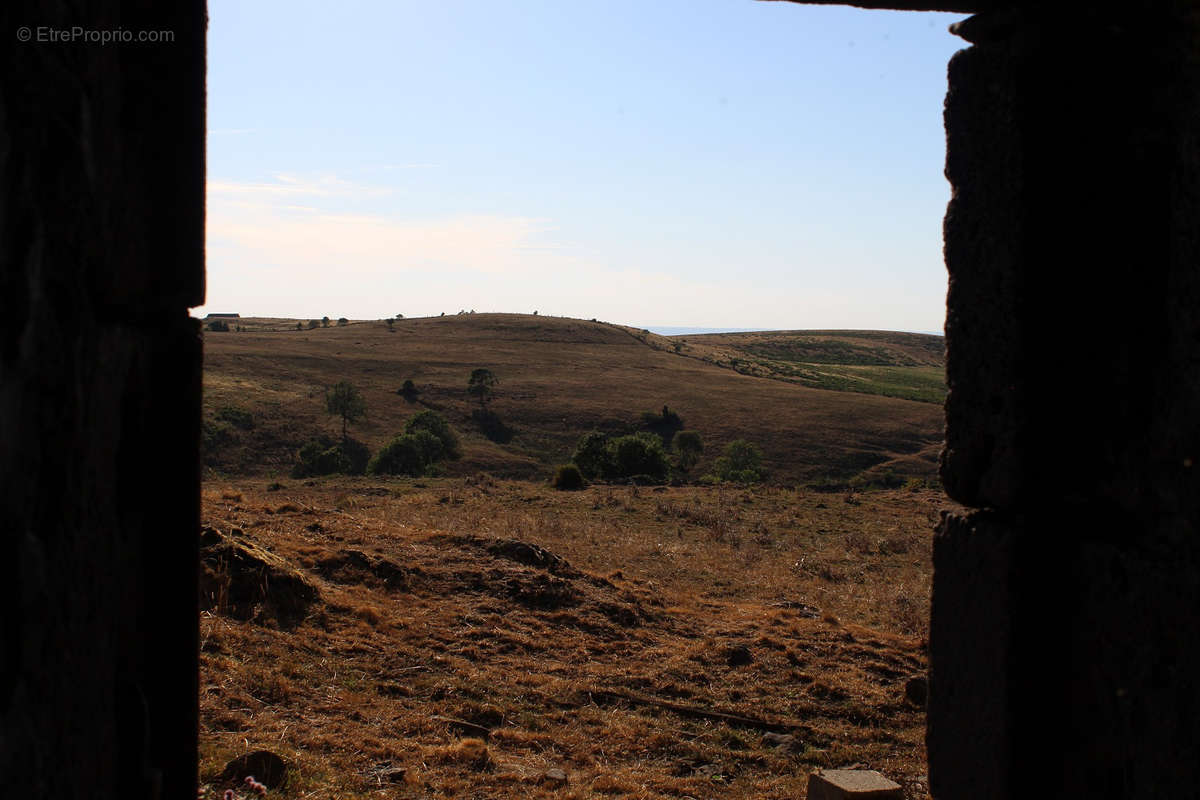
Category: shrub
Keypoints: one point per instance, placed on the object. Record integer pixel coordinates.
(567, 477)
(592, 456)
(357, 455)
(237, 417)
(430, 446)
(435, 424)
(342, 321)
(403, 455)
(639, 457)
(218, 326)
(688, 447)
(740, 462)
(313, 324)
(408, 391)
(320, 456)
(641, 454)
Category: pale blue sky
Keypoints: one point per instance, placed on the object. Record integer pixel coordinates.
(721, 163)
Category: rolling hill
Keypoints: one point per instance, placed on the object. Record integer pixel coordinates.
(560, 378)
(890, 363)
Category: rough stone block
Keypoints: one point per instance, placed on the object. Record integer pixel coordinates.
(970, 640)
(1074, 205)
(852, 784)
(1064, 644)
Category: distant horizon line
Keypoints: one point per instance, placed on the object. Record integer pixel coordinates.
(661, 330)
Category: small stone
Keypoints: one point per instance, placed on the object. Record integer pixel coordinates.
(852, 784)
(916, 689)
(263, 765)
(554, 778)
(782, 741)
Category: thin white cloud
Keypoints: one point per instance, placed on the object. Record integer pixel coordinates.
(286, 185)
(294, 223)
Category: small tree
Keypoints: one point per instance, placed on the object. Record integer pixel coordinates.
(344, 400)
(480, 385)
(342, 321)
(299, 326)
(688, 447)
(391, 323)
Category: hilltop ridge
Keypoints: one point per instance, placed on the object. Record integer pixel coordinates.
(560, 378)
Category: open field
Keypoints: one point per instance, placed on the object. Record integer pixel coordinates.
(561, 378)
(641, 640)
(904, 365)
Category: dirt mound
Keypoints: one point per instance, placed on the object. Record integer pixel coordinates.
(241, 579)
(356, 567)
(540, 580)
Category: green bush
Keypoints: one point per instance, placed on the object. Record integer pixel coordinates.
(357, 454)
(408, 391)
(237, 417)
(435, 424)
(592, 456)
(320, 456)
(430, 446)
(740, 462)
(688, 447)
(641, 454)
(403, 455)
(324, 456)
(567, 477)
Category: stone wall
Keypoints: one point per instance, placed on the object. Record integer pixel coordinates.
(1065, 635)
(101, 254)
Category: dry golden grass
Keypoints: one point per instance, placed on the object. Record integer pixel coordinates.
(599, 632)
(559, 378)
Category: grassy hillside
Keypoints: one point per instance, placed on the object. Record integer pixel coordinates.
(560, 378)
(893, 364)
